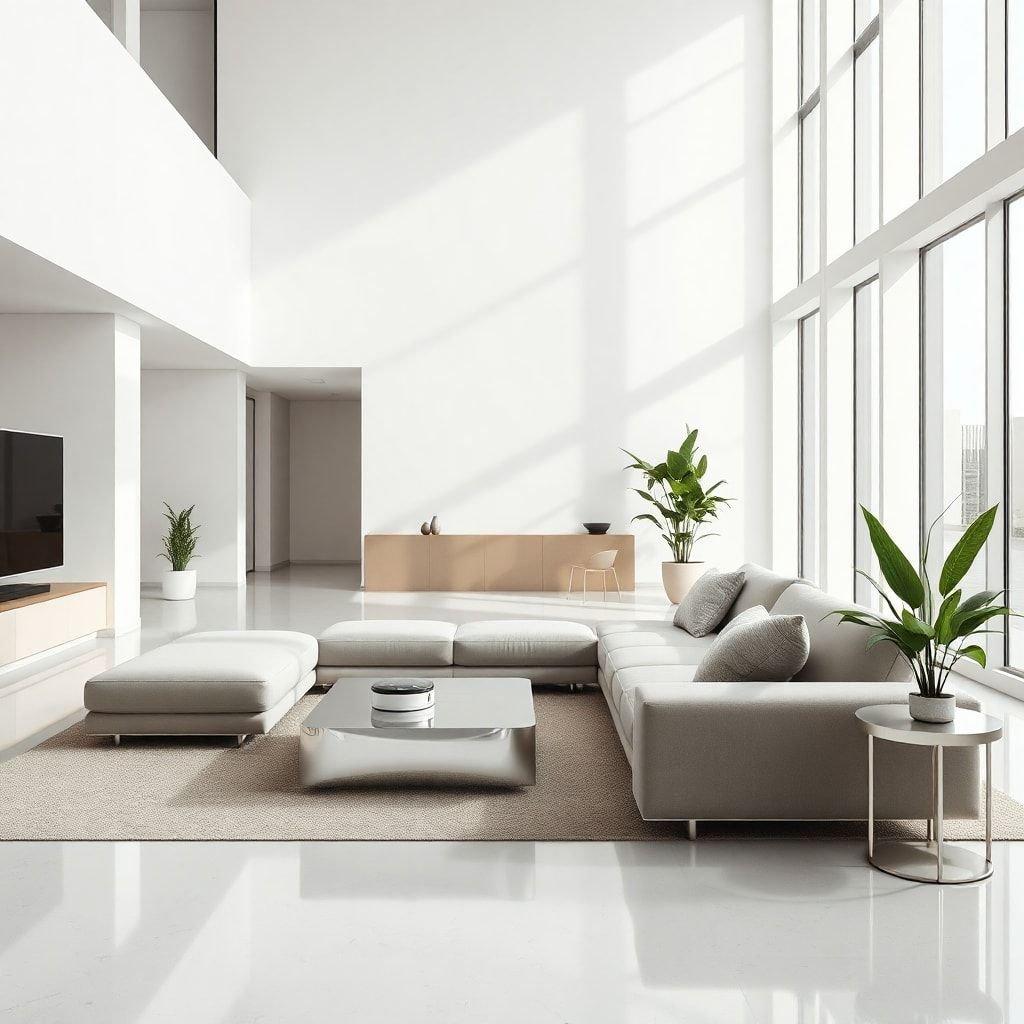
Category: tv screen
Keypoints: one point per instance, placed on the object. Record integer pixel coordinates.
(31, 502)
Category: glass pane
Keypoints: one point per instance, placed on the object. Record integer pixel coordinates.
(954, 86)
(1014, 65)
(810, 28)
(808, 434)
(863, 12)
(838, 462)
(809, 194)
(1015, 461)
(955, 334)
(867, 124)
(868, 433)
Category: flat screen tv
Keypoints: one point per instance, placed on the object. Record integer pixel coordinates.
(31, 502)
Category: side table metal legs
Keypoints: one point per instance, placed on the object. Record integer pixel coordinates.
(935, 860)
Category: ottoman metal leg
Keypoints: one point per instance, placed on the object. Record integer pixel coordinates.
(117, 740)
(242, 737)
(691, 830)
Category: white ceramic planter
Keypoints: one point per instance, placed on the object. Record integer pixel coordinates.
(679, 577)
(936, 710)
(179, 586)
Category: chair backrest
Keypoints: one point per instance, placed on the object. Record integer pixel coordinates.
(603, 559)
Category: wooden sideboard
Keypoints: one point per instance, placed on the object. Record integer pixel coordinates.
(68, 611)
(486, 561)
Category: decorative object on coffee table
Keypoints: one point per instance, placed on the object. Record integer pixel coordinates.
(435, 526)
(179, 583)
(930, 632)
(683, 507)
(597, 529)
(401, 695)
(931, 860)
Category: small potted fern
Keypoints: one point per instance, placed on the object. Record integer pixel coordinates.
(179, 583)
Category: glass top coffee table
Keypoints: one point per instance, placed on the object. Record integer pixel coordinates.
(482, 732)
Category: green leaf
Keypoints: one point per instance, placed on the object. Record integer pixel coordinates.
(915, 625)
(895, 566)
(678, 466)
(974, 653)
(961, 558)
(878, 587)
(702, 466)
(966, 625)
(978, 601)
(943, 621)
(686, 448)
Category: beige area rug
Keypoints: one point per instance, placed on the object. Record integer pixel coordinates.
(75, 787)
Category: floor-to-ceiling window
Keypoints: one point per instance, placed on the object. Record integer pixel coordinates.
(809, 140)
(1015, 426)
(807, 419)
(867, 383)
(953, 37)
(867, 121)
(954, 448)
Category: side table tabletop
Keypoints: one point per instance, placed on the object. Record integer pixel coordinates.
(933, 860)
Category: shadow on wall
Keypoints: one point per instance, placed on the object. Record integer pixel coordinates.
(543, 235)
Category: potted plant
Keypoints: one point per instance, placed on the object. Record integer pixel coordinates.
(684, 505)
(179, 583)
(930, 632)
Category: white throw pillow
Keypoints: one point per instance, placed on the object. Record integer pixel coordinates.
(764, 648)
(708, 602)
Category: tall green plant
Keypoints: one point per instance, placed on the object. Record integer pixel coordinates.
(683, 503)
(180, 539)
(930, 632)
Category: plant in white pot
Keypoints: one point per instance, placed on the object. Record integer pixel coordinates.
(179, 584)
(684, 505)
(930, 632)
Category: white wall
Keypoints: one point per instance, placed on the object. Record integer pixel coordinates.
(177, 53)
(193, 453)
(101, 176)
(272, 494)
(78, 376)
(542, 235)
(325, 481)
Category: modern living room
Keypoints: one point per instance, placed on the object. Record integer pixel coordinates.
(493, 500)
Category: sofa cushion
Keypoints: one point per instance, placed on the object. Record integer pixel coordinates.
(760, 586)
(628, 679)
(642, 657)
(839, 652)
(707, 602)
(525, 642)
(387, 642)
(663, 635)
(235, 672)
(766, 648)
(626, 716)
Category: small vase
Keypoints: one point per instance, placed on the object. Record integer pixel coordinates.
(435, 529)
(679, 577)
(425, 529)
(179, 586)
(936, 710)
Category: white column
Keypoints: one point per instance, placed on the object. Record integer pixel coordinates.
(126, 487)
(126, 24)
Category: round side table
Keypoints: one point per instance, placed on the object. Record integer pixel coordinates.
(930, 861)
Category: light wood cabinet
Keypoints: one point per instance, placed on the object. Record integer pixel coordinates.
(493, 562)
(32, 625)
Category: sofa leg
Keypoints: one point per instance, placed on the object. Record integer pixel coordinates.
(241, 738)
(691, 830)
(117, 740)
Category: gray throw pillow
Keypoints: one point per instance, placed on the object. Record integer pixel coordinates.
(708, 601)
(769, 649)
(753, 614)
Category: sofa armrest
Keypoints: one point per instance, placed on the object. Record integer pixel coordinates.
(782, 751)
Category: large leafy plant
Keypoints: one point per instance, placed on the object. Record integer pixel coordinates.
(683, 503)
(932, 633)
(180, 539)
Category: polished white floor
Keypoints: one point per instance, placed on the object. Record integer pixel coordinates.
(253, 933)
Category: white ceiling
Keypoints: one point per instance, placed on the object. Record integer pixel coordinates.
(31, 284)
(307, 383)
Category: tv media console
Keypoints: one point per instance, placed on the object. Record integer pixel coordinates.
(65, 612)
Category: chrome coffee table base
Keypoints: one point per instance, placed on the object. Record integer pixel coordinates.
(482, 733)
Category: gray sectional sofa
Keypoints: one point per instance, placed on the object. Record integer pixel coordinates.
(698, 750)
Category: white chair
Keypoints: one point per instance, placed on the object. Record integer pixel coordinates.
(604, 563)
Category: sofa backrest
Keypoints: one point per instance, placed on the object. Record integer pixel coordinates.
(839, 651)
(760, 586)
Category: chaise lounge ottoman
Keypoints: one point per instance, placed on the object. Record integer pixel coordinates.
(223, 683)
